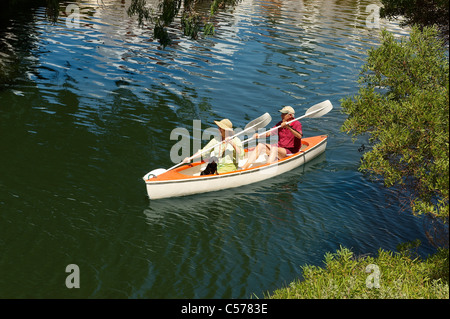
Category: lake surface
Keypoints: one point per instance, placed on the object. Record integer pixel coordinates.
(91, 111)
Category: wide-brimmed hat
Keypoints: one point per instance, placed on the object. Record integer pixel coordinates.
(287, 109)
(225, 124)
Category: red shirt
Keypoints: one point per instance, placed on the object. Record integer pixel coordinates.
(286, 138)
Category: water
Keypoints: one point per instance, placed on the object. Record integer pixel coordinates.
(91, 111)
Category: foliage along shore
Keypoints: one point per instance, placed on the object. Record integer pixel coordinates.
(390, 275)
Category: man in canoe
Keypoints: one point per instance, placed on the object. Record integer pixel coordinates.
(289, 139)
(227, 151)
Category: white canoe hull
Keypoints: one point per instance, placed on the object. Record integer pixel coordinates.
(175, 184)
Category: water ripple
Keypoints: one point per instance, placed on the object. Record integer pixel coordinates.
(93, 112)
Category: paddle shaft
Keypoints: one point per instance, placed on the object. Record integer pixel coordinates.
(287, 123)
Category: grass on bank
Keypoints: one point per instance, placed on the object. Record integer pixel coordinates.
(388, 276)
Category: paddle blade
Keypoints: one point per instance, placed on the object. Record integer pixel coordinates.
(319, 109)
(260, 122)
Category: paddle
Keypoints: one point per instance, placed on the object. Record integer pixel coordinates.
(260, 122)
(314, 111)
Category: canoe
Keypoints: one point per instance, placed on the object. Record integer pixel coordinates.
(186, 180)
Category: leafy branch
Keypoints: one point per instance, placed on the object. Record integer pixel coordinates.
(194, 20)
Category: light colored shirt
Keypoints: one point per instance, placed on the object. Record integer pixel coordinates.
(226, 154)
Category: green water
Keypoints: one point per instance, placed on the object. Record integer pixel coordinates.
(91, 109)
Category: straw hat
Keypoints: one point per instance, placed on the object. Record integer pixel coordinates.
(225, 124)
(287, 109)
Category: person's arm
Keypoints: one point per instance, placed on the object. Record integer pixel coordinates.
(200, 151)
(237, 145)
(296, 133)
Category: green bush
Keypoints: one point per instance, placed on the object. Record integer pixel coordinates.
(403, 107)
(347, 277)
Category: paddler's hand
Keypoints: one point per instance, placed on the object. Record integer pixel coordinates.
(260, 135)
(186, 160)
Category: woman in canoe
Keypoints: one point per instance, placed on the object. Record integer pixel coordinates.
(289, 139)
(227, 153)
